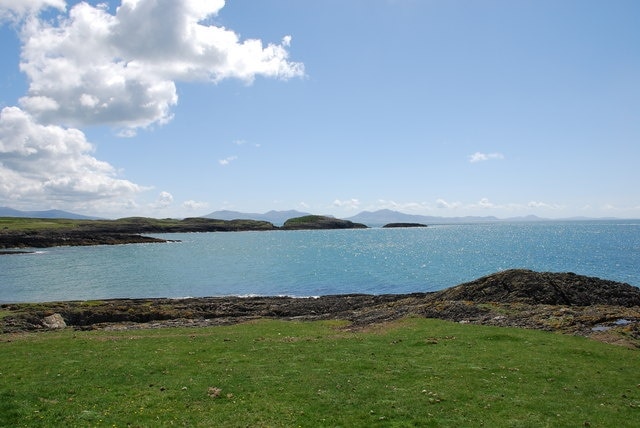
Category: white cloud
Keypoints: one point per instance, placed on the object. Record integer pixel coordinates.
(164, 200)
(484, 203)
(97, 68)
(482, 157)
(86, 65)
(350, 204)
(192, 205)
(16, 10)
(227, 161)
(53, 165)
(543, 205)
(401, 206)
(441, 203)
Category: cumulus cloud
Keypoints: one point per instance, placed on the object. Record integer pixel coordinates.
(484, 203)
(539, 204)
(94, 67)
(164, 200)
(16, 10)
(482, 157)
(53, 164)
(88, 65)
(350, 204)
(441, 203)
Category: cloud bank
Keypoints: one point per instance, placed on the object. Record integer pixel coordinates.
(88, 66)
(53, 165)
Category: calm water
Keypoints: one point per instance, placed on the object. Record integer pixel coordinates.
(309, 263)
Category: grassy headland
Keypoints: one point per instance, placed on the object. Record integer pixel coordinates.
(18, 232)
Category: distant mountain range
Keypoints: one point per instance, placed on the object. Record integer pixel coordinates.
(370, 218)
(382, 217)
(10, 212)
(277, 218)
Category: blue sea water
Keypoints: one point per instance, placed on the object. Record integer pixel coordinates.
(311, 263)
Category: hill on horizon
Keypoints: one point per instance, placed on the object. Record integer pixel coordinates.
(376, 218)
(386, 216)
(10, 212)
(277, 218)
(370, 218)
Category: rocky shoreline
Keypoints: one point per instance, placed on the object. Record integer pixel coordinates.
(561, 302)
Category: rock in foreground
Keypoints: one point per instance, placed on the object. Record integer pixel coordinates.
(526, 286)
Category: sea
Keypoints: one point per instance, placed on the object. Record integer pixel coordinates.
(323, 262)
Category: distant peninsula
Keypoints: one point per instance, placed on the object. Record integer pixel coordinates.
(41, 233)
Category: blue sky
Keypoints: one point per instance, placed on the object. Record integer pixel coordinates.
(170, 108)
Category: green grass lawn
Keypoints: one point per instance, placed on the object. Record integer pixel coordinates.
(414, 372)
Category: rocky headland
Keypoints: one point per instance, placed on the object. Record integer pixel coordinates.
(562, 302)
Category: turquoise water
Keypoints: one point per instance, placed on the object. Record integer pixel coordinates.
(311, 263)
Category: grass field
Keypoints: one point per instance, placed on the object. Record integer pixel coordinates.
(414, 372)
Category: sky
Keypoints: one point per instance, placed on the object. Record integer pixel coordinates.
(177, 108)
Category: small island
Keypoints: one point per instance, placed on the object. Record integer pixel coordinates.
(392, 225)
(318, 222)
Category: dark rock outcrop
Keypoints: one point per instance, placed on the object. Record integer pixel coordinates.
(313, 222)
(45, 239)
(392, 225)
(526, 286)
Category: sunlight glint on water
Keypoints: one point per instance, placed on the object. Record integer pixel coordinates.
(309, 263)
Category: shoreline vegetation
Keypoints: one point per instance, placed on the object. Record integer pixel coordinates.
(565, 303)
